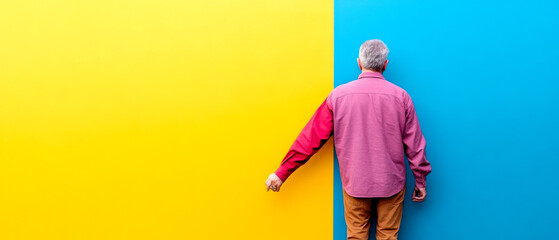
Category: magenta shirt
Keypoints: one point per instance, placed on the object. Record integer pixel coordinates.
(374, 124)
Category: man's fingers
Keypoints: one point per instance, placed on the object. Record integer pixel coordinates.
(418, 199)
(422, 193)
(269, 184)
(273, 183)
(275, 186)
(419, 195)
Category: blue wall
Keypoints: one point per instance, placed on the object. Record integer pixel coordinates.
(484, 78)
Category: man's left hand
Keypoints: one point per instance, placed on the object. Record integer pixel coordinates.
(419, 194)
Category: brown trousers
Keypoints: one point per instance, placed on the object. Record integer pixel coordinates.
(358, 212)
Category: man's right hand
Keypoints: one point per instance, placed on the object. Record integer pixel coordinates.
(273, 182)
(419, 194)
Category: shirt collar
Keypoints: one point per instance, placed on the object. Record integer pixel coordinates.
(370, 75)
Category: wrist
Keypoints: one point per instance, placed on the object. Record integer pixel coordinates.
(281, 174)
(420, 182)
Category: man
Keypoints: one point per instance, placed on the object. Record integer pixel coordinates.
(374, 125)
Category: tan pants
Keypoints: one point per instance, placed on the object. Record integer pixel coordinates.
(358, 213)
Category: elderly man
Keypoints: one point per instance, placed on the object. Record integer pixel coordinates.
(374, 125)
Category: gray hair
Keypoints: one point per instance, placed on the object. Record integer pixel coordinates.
(373, 54)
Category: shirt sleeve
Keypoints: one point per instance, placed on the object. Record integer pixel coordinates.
(414, 144)
(315, 133)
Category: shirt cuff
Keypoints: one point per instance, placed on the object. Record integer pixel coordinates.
(420, 182)
(282, 174)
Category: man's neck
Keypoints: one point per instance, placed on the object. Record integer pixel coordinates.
(368, 70)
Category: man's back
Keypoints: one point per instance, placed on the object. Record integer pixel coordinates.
(371, 116)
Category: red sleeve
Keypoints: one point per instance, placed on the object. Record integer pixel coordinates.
(317, 131)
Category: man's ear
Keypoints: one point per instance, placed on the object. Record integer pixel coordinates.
(385, 63)
(359, 64)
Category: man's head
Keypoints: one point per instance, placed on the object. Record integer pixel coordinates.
(373, 56)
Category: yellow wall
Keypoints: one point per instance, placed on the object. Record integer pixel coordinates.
(161, 119)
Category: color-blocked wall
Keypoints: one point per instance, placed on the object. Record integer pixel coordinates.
(162, 119)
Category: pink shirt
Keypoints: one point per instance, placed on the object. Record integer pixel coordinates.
(374, 124)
